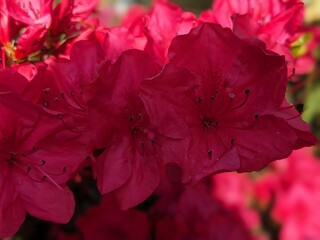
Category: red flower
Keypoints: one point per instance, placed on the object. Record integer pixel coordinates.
(30, 12)
(292, 189)
(38, 156)
(128, 166)
(118, 39)
(131, 165)
(274, 21)
(234, 116)
(164, 22)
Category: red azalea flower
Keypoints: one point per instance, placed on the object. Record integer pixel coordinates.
(31, 41)
(164, 22)
(31, 12)
(236, 192)
(292, 189)
(82, 9)
(233, 116)
(38, 155)
(67, 85)
(130, 167)
(270, 15)
(116, 40)
(274, 21)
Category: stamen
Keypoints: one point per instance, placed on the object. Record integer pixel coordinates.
(210, 154)
(199, 100)
(64, 170)
(131, 118)
(98, 152)
(46, 91)
(46, 104)
(232, 141)
(139, 116)
(232, 95)
(293, 73)
(247, 91)
(299, 107)
(256, 115)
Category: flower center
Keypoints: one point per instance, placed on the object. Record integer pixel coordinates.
(143, 138)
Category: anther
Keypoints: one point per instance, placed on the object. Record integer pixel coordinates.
(46, 104)
(142, 144)
(232, 141)
(98, 152)
(56, 100)
(256, 115)
(44, 178)
(64, 170)
(199, 100)
(33, 148)
(62, 95)
(210, 154)
(131, 118)
(139, 116)
(247, 91)
(59, 115)
(43, 162)
(232, 95)
(46, 91)
(217, 123)
(299, 107)
(212, 99)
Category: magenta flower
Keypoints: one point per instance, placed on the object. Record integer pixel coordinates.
(38, 156)
(131, 164)
(235, 117)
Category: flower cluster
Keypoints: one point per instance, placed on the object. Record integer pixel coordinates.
(167, 97)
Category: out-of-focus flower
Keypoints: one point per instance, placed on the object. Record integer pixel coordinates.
(107, 221)
(274, 21)
(236, 192)
(182, 213)
(292, 191)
